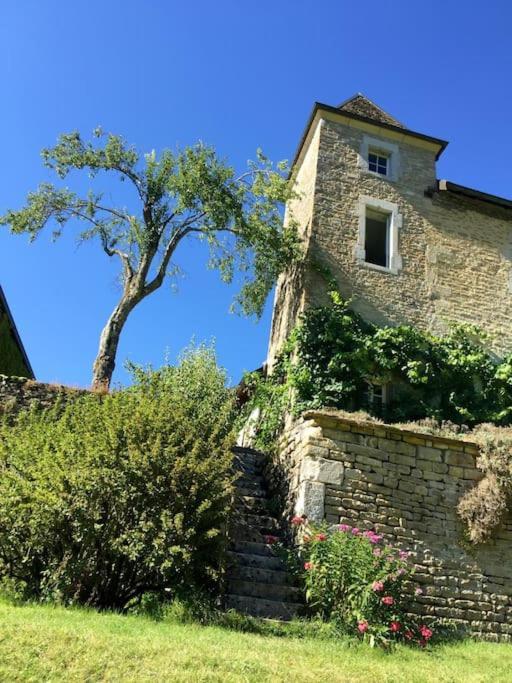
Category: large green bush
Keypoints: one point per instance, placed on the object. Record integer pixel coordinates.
(113, 496)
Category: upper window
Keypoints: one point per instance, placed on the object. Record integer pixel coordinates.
(380, 157)
(378, 163)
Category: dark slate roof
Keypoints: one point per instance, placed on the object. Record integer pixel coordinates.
(362, 106)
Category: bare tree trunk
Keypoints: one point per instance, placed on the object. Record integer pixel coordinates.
(105, 362)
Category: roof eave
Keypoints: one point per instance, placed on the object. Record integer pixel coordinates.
(454, 188)
(442, 144)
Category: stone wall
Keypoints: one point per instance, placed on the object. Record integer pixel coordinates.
(19, 393)
(406, 486)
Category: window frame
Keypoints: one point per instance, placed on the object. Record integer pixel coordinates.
(382, 148)
(382, 160)
(394, 260)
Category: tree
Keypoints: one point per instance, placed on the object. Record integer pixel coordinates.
(180, 194)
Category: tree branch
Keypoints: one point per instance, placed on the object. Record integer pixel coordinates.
(109, 250)
(185, 228)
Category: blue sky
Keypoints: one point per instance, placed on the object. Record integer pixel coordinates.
(238, 76)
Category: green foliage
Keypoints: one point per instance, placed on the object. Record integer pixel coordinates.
(113, 496)
(187, 192)
(484, 506)
(355, 580)
(333, 355)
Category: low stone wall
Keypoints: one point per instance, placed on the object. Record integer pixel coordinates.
(406, 486)
(19, 393)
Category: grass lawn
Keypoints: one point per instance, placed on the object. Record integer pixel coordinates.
(54, 644)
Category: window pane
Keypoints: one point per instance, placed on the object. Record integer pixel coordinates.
(376, 238)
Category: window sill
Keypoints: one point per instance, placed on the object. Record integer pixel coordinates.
(374, 174)
(380, 269)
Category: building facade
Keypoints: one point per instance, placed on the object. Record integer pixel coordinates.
(13, 358)
(405, 247)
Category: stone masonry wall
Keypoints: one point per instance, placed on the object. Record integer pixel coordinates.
(406, 486)
(19, 393)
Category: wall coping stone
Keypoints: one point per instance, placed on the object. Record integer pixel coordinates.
(335, 418)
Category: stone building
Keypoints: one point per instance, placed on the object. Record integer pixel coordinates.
(13, 358)
(406, 247)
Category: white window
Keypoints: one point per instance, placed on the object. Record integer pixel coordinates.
(378, 162)
(375, 397)
(377, 243)
(379, 157)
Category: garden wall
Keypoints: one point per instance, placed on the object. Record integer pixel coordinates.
(406, 486)
(19, 393)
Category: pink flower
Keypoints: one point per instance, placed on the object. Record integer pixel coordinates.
(321, 537)
(403, 554)
(362, 626)
(308, 566)
(395, 626)
(372, 536)
(377, 552)
(401, 571)
(343, 527)
(377, 586)
(270, 540)
(388, 600)
(297, 521)
(419, 591)
(426, 632)
(355, 531)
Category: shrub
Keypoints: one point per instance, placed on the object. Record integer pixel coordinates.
(353, 578)
(113, 496)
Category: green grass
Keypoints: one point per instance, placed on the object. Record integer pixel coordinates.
(54, 644)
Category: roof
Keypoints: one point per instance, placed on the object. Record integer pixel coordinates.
(360, 108)
(5, 306)
(448, 186)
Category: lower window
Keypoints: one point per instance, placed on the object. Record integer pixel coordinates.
(376, 242)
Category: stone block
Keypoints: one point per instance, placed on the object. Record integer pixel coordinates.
(432, 454)
(323, 470)
(311, 500)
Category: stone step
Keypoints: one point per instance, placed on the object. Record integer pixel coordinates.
(255, 560)
(245, 547)
(250, 534)
(254, 482)
(267, 591)
(251, 503)
(246, 452)
(266, 609)
(254, 492)
(259, 575)
(263, 523)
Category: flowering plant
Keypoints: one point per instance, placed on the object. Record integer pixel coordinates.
(354, 577)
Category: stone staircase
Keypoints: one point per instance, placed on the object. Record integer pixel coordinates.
(258, 583)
